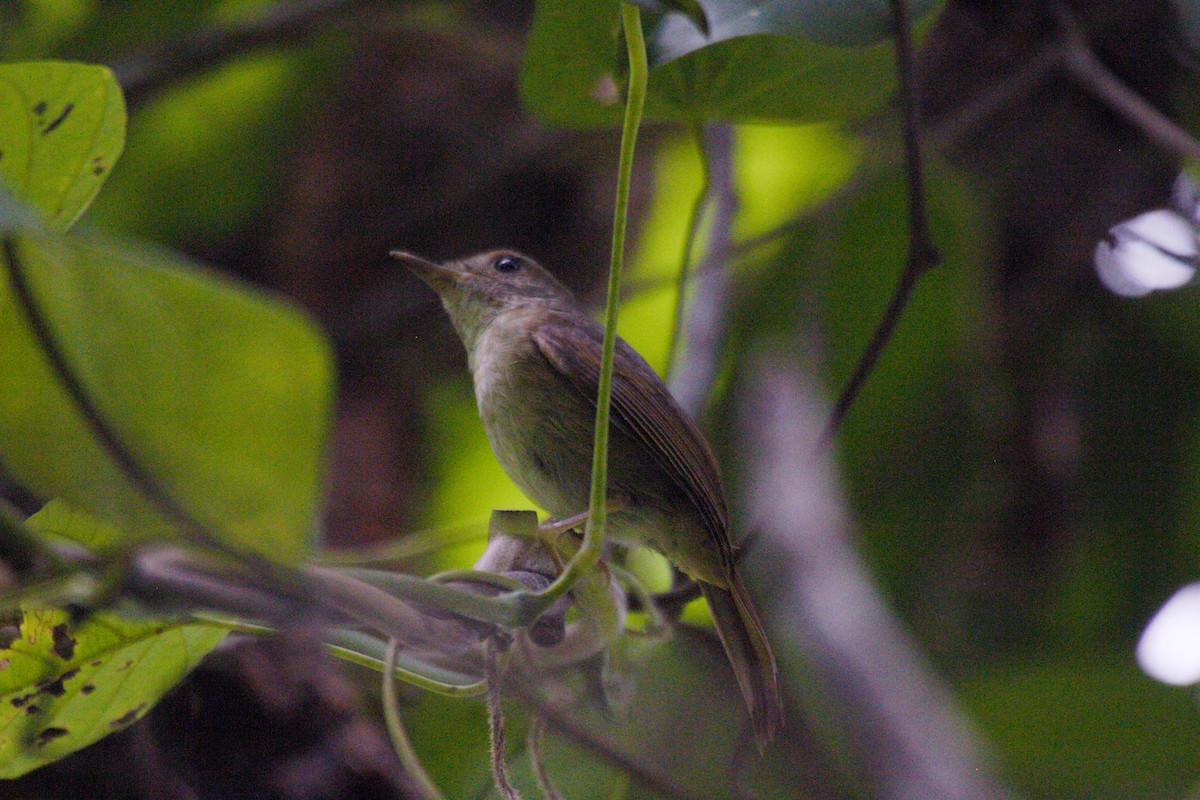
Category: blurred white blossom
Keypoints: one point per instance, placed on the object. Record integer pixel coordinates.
(1154, 250)
(1169, 650)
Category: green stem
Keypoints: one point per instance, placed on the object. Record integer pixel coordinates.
(533, 745)
(371, 596)
(400, 742)
(366, 651)
(593, 534)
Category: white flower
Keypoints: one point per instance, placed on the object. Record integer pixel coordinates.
(1169, 650)
(1156, 250)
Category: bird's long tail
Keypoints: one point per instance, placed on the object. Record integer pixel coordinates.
(749, 653)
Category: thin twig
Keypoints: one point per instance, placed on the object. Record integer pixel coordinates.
(496, 726)
(999, 93)
(704, 323)
(533, 744)
(656, 780)
(922, 254)
(1083, 65)
(685, 274)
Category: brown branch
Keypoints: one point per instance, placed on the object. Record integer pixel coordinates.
(922, 254)
(495, 711)
(1083, 65)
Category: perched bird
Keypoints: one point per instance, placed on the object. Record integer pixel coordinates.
(534, 355)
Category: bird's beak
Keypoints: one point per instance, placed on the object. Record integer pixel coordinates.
(438, 277)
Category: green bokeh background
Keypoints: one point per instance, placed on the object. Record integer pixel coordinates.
(1051, 684)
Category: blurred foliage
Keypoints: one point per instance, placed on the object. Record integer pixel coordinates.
(219, 396)
(1086, 726)
(227, 162)
(1036, 637)
(762, 62)
(222, 396)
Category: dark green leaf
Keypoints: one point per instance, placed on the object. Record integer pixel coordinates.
(771, 65)
(842, 23)
(692, 9)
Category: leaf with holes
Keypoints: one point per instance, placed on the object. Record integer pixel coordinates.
(63, 686)
(62, 127)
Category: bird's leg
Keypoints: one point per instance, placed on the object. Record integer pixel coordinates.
(554, 527)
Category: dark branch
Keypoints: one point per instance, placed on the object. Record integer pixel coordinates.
(640, 771)
(148, 72)
(922, 254)
(1083, 65)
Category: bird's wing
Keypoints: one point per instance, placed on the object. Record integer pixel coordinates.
(646, 410)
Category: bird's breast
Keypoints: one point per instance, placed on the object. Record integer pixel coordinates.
(539, 428)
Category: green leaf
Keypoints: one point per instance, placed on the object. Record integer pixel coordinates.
(691, 9)
(217, 394)
(756, 66)
(770, 78)
(60, 519)
(839, 23)
(63, 687)
(62, 127)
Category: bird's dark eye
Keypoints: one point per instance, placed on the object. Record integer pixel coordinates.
(507, 264)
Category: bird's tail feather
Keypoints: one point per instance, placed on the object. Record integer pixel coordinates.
(749, 653)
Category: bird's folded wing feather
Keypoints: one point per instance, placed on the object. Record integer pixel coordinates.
(646, 410)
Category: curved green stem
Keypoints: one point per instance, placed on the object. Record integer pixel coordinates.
(593, 535)
(400, 742)
(492, 579)
(371, 595)
(519, 608)
(366, 651)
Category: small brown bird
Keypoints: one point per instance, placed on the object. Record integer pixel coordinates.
(534, 355)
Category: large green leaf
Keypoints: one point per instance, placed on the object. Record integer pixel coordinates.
(62, 127)
(763, 60)
(217, 395)
(62, 687)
